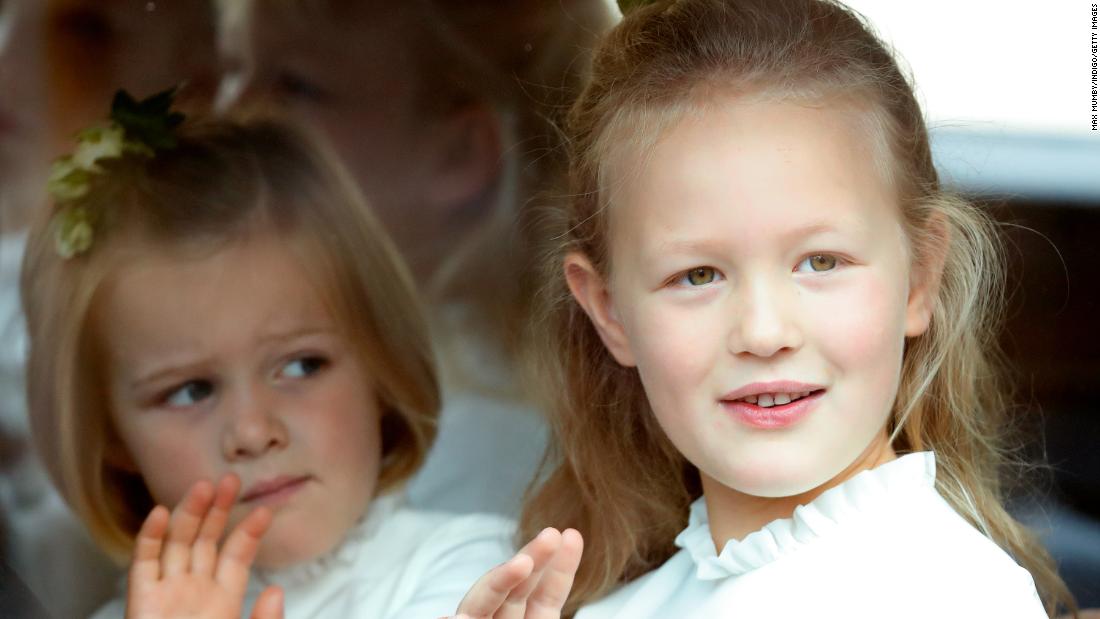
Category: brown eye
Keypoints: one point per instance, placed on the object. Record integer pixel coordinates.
(701, 276)
(822, 262)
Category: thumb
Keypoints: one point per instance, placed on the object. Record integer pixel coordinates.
(269, 605)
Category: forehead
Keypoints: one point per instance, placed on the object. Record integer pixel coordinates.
(173, 302)
(751, 170)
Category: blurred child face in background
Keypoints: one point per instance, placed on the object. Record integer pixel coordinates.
(95, 47)
(772, 253)
(353, 70)
(228, 362)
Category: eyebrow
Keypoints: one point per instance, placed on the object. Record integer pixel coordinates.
(159, 374)
(716, 245)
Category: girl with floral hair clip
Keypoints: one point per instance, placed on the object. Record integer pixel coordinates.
(768, 337)
(218, 323)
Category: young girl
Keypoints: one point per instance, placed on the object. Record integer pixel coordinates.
(216, 299)
(775, 387)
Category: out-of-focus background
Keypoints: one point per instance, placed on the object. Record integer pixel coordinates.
(1006, 87)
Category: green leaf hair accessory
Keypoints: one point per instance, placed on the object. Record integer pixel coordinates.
(135, 128)
(74, 231)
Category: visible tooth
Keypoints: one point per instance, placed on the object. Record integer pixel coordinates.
(751, 399)
(804, 394)
(765, 400)
(782, 398)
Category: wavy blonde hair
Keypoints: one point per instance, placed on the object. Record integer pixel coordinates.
(227, 179)
(669, 59)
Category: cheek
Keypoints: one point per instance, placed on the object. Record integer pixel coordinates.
(171, 457)
(343, 433)
(863, 338)
(676, 349)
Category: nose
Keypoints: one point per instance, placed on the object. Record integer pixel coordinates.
(254, 427)
(765, 323)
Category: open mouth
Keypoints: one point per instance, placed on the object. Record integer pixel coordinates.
(770, 400)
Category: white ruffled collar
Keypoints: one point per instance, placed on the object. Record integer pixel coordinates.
(848, 501)
(343, 555)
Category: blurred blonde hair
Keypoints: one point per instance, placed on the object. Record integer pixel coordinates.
(227, 179)
(618, 479)
(526, 60)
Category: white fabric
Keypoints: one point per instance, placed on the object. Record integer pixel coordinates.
(490, 441)
(487, 451)
(397, 563)
(882, 544)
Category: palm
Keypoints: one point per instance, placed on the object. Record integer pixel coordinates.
(184, 596)
(178, 569)
(534, 584)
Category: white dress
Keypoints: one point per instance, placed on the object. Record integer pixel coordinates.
(882, 544)
(397, 563)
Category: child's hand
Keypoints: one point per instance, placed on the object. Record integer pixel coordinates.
(534, 584)
(183, 575)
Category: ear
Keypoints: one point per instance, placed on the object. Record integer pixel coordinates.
(466, 156)
(924, 284)
(591, 292)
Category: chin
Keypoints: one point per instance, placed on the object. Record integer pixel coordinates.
(293, 545)
(767, 480)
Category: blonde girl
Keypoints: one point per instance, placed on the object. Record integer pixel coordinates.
(217, 301)
(768, 337)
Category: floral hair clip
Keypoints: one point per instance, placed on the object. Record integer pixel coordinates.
(136, 127)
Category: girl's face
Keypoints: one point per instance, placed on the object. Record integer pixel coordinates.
(230, 363)
(756, 251)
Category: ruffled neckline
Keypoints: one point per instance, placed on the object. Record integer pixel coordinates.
(849, 501)
(343, 555)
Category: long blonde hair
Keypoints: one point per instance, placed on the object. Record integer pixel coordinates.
(618, 479)
(225, 180)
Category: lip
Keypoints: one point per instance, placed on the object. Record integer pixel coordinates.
(775, 386)
(275, 490)
(773, 417)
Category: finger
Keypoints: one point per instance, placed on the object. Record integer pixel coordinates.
(542, 550)
(269, 605)
(145, 567)
(547, 600)
(240, 550)
(489, 592)
(204, 554)
(184, 526)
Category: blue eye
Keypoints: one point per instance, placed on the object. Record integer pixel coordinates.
(190, 393)
(817, 263)
(699, 276)
(303, 367)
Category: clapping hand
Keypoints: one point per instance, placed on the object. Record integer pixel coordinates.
(534, 584)
(179, 570)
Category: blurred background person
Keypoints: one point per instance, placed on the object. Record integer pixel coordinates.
(60, 63)
(445, 113)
